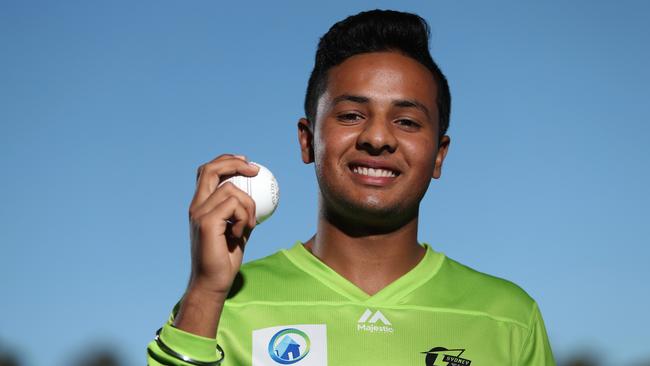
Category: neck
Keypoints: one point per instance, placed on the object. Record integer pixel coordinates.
(371, 259)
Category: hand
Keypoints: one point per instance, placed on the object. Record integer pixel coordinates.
(221, 220)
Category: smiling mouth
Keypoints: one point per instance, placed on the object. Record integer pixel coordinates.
(374, 172)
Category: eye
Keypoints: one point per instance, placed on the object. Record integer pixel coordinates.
(407, 123)
(349, 117)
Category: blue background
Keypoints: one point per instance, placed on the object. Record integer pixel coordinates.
(108, 108)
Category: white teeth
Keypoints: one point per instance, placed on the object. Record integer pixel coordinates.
(373, 172)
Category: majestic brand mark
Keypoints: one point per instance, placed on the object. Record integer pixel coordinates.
(374, 322)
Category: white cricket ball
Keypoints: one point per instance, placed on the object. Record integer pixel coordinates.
(263, 188)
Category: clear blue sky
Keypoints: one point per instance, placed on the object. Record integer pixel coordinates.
(107, 109)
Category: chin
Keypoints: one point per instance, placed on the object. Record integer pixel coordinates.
(367, 220)
(365, 208)
(373, 211)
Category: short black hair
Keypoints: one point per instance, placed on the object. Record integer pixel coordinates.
(376, 31)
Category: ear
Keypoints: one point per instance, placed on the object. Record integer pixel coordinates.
(443, 147)
(306, 140)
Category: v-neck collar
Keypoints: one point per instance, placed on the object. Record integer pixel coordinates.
(391, 294)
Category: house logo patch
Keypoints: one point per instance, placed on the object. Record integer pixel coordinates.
(291, 344)
(441, 356)
(374, 322)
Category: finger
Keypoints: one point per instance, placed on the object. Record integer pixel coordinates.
(218, 158)
(240, 223)
(232, 213)
(215, 170)
(211, 174)
(222, 193)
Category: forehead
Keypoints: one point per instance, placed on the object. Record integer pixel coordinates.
(382, 76)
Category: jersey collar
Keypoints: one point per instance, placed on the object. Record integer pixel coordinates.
(391, 294)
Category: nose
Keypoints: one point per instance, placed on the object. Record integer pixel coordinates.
(377, 137)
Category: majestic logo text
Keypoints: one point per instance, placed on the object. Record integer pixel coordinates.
(374, 322)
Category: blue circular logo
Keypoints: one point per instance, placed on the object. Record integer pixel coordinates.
(289, 346)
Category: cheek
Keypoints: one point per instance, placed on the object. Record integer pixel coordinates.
(421, 155)
(331, 144)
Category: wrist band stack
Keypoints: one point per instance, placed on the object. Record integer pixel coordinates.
(191, 361)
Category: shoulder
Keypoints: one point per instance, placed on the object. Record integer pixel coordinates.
(274, 278)
(462, 288)
(266, 265)
(486, 286)
(270, 269)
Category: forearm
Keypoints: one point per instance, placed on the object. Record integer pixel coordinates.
(199, 312)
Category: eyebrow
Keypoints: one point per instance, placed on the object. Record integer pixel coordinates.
(350, 98)
(408, 103)
(402, 103)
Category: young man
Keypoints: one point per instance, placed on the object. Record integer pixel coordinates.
(362, 290)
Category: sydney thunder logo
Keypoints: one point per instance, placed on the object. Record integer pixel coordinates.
(440, 356)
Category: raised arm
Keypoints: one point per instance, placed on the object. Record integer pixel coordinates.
(221, 220)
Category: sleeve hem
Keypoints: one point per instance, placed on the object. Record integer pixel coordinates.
(191, 345)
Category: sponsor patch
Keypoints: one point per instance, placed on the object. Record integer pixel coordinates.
(298, 344)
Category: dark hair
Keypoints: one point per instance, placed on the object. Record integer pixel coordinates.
(376, 31)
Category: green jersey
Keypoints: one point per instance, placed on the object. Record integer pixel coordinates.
(292, 309)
